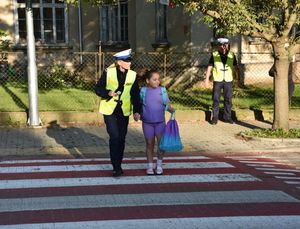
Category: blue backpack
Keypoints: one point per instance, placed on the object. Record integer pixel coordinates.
(163, 93)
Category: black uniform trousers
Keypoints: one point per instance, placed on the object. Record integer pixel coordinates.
(227, 90)
(116, 126)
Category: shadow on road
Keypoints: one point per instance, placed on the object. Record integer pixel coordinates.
(76, 141)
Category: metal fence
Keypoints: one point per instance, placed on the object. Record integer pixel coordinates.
(66, 80)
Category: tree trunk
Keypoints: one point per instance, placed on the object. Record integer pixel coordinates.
(281, 101)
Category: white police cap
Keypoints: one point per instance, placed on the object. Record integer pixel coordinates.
(123, 55)
(223, 41)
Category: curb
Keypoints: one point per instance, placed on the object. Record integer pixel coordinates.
(286, 140)
(95, 118)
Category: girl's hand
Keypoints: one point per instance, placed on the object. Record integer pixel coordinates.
(171, 109)
(136, 117)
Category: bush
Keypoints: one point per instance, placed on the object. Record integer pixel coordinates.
(4, 43)
(57, 78)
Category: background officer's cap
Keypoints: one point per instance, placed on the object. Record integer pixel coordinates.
(222, 41)
(123, 55)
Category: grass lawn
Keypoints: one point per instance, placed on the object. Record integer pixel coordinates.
(14, 97)
(249, 97)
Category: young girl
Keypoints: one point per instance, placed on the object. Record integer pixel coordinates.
(155, 101)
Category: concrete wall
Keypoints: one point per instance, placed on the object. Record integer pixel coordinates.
(256, 60)
(144, 26)
(73, 27)
(179, 29)
(201, 34)
(90, 28)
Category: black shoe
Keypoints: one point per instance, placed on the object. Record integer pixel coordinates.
(214, 121)
(230, 121)
(117, 173)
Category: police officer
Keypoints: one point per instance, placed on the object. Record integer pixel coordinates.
(223, 66)
(119, 92)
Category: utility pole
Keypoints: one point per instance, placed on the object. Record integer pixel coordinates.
(33, 119)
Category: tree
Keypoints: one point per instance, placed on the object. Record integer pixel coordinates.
(272, 21)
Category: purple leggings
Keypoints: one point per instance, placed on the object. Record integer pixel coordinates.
(153, 129)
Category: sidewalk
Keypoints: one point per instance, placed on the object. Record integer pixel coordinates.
(92, 141)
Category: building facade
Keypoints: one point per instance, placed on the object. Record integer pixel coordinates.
(140, 25)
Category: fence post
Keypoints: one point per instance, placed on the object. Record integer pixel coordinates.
(96, 69)
(165, 65)
(100, 60)
(80, 31)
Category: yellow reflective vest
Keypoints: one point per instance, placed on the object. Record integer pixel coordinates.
(107, 106)
(223, 72)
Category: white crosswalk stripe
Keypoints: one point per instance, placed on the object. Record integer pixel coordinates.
(255, 222)
(131, 166)
(94, 159)
(91, 181)
(145, 199)
(280, 173)
(279, 170)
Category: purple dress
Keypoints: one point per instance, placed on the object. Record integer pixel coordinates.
(153, 110)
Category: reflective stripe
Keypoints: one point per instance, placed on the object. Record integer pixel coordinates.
(220, 71)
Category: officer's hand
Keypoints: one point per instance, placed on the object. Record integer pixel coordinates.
(206, 84)
(112, 93)
(136, 117)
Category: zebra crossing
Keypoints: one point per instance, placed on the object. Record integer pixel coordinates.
(270, 166)
(194, 192)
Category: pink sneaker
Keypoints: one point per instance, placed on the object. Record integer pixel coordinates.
(150, 171)
(159, 170)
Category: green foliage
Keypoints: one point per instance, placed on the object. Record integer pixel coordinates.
(4, 43)
(269, 133)
(59, 77)
(259, 18)
(54, 79)
(2, 33)
(92, 2)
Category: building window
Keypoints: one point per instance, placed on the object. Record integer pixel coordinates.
(49, 19)
(161, 23)
(114, 23)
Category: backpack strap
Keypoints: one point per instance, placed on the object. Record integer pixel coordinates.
(143, 95)
(164, 94)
